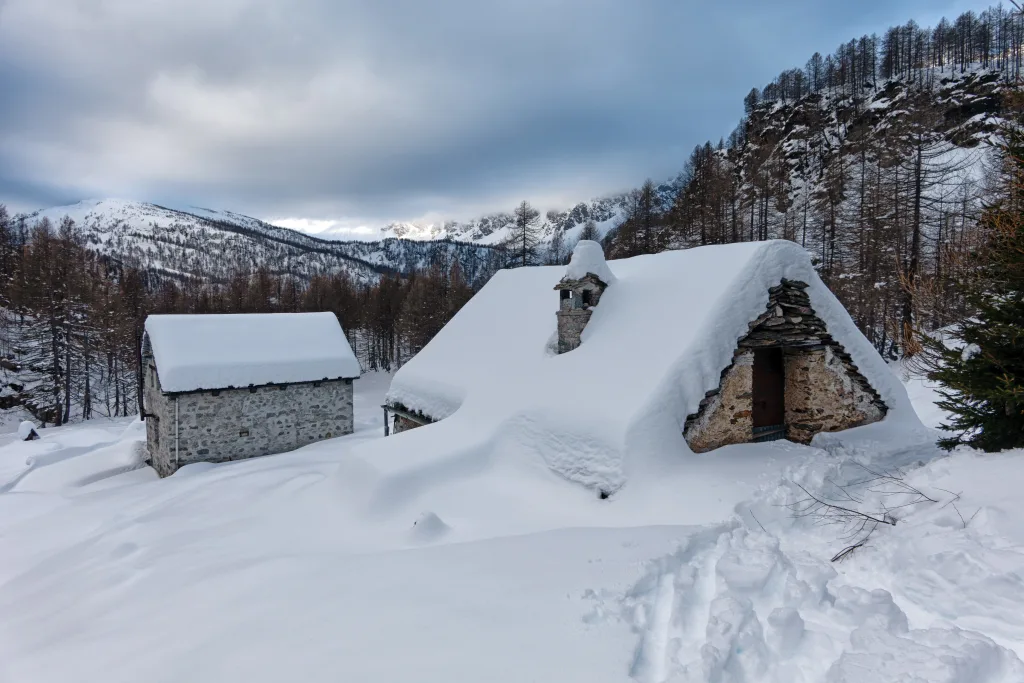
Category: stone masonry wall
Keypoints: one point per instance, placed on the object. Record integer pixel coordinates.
(824, 389)
(235, 424)
(573, 316)
(726, 415)
(570, 326)
(821, 395)
(159, 418)
(403, 424)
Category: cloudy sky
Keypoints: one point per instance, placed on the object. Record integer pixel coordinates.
(357, 113)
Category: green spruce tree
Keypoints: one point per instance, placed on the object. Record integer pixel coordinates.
(983, 374)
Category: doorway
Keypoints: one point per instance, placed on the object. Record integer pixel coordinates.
(769, 395)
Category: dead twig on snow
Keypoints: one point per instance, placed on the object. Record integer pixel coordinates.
(844, 505)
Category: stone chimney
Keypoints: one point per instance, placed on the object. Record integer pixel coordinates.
(586, 278)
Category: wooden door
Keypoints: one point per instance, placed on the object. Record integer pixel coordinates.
(769, 394)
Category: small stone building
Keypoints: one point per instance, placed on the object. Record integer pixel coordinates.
(789, 379)
(727, 339)
(230, 387)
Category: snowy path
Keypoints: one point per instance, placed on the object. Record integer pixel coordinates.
(289, 568)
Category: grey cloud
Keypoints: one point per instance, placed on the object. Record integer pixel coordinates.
(384, 110)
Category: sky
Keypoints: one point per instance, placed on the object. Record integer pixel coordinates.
(344, 115)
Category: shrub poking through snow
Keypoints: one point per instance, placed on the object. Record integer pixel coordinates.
(860, 506)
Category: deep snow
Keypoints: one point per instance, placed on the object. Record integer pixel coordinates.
(588, 257)
(320, 565)
(615, 407)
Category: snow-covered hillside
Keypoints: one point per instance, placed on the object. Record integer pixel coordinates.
(208, 242)
(299, 567)
(215, 244)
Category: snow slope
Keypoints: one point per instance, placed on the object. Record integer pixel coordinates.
(283, 568)
(658, 341)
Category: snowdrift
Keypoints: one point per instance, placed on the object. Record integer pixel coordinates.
(658, 341)
(271, 569)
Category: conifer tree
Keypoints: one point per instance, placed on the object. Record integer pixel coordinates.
(590, 232)
(556, 248)
(524, 240)
(984, 375)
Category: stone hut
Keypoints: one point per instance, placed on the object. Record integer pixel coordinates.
(719, 345)
(230, 387)
(789, 379)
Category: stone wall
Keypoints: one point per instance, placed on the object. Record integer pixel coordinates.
(403, 424)
(573, 315)
(726, 412)
(235, 424)
(159, 420)
(824, 389)
(821, 395)
(571, 323)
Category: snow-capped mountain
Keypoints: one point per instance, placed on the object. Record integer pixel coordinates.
(213, 244)
(607, 212)
(196, 241)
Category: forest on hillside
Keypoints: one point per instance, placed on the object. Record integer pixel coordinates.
(879, 159)
(72, 320)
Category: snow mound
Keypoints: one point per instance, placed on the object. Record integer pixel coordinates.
(126, 453)
(25, 430)
(656, 343)
(929, 655)
(588, 257)
(194, 352)
(429, 527)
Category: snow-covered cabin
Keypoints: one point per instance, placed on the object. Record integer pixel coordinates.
(718, 345)
(230, 387)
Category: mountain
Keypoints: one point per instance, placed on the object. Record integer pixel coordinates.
(607, 212)
(881, 176)
(209, 243)
(213, 244)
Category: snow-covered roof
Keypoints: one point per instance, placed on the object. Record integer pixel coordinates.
(588, 257)
(194, 352)
(659, 340)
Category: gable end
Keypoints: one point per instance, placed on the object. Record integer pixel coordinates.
(824, 389)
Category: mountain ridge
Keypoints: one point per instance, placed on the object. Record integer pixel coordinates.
(176, 243)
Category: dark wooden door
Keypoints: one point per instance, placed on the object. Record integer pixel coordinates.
(769, 390)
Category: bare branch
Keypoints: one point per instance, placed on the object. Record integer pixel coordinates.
(840, 512)
(842, 505)
(757, 520)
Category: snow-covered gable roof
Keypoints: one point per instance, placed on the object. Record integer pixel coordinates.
(659, 339)
(194, 352)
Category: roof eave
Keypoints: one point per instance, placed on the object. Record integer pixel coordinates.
(567, 283)
(255, 386)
